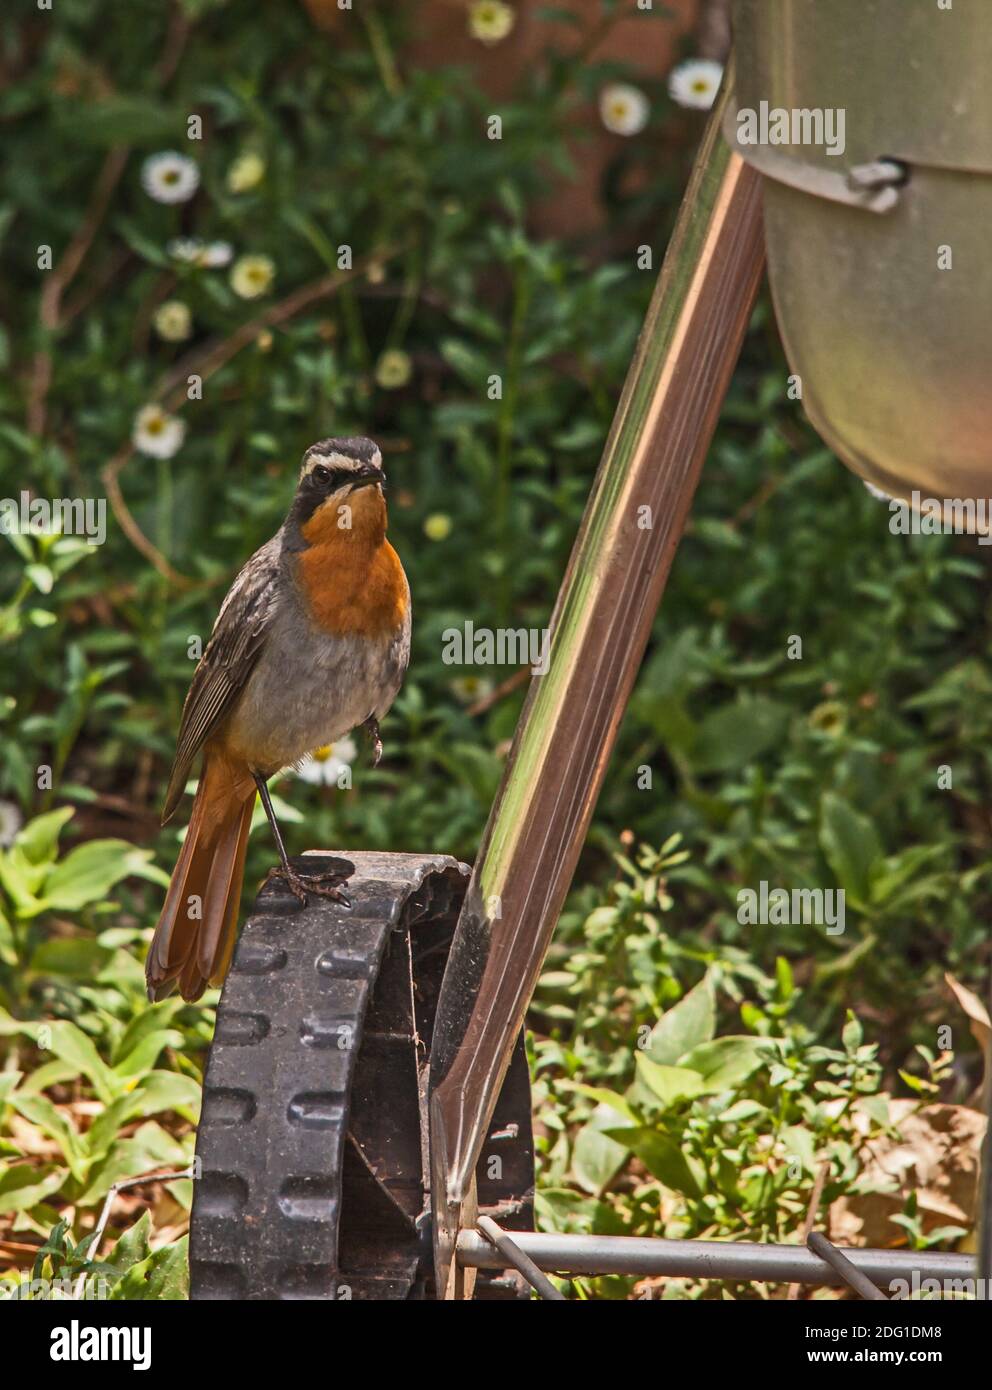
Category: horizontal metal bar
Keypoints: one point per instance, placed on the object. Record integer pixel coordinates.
(709, 1259)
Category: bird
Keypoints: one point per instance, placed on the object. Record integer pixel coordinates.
(311, 642)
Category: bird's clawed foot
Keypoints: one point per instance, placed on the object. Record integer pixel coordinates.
(371, 727)
(324, 885)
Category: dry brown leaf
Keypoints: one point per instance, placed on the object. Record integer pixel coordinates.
(936, 1155)
(978, 1014)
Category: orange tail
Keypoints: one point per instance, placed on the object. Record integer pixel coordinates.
(195, 936)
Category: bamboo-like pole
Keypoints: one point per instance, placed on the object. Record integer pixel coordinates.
(632, 525)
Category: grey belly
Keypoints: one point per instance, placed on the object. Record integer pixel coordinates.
(294, 703)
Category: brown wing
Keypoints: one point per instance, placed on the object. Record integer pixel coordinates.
(234, 647)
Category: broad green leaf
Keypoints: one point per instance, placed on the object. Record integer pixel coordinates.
(71, 1044)
(51, 1121)
(668, 1084)
(799, 1142)
(850, 846)
(596, 1158)
(662, 1157)
(736, 734)
(88, 873)
(602, 1096)
(167, 1090)
(686, 1024)
(133, 1247)
(40, 837)
(25, 1185)
(143, 1058)
(164, 1275)
(725, 1062)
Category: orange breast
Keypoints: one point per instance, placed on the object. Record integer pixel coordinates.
(351, 588)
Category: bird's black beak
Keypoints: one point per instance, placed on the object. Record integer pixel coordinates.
(366, 477)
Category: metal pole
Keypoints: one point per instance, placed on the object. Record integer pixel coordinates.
(522, 1263)
(633, 522)
(844, 1266)
(713, 1259)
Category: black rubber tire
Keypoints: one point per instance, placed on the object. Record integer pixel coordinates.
(313, 1180)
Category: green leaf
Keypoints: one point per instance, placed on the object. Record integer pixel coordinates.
(72, 1045)
(686, 1024)
(75, 957)
(668, 1084)
(800, 1143)
(850, 846)
(602, 1096)
(726, 1062)
(852, 1034)
(145, 1055)
(119, 120)
(133, 1246)
(164, 1275)
(167, 1090)
(88, 873)
(662, 1157)
(51, 1121)
(40, 837)
(23, 1186)
(736, 734)
(597, 1158)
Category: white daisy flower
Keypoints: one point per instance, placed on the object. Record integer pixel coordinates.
(170, 177)
(623, 109)
(325, 765)
(695, 83)
(490, 21)
(251, 276)
(156, 433)
(216, 254)
(173, 321)
(185, 248)
(468, 689)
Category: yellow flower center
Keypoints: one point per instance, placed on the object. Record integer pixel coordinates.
(321, 755)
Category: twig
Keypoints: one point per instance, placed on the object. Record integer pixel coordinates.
(111, 1197)
(205, 362)
(56, 281)
(815, 1198)
(129, 526)
(506, 687)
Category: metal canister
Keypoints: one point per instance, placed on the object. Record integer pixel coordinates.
(878, 222)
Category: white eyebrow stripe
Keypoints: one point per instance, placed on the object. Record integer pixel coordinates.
(335, 460)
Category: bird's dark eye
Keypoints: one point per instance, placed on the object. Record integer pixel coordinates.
(321, 474)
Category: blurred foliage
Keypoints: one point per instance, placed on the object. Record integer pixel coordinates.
(816, 771)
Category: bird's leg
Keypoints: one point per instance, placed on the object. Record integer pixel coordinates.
(323, 884)
(371, 727)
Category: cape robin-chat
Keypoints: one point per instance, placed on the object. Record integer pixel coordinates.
(311, 641)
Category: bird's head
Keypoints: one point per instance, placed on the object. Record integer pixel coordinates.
(340, 489)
